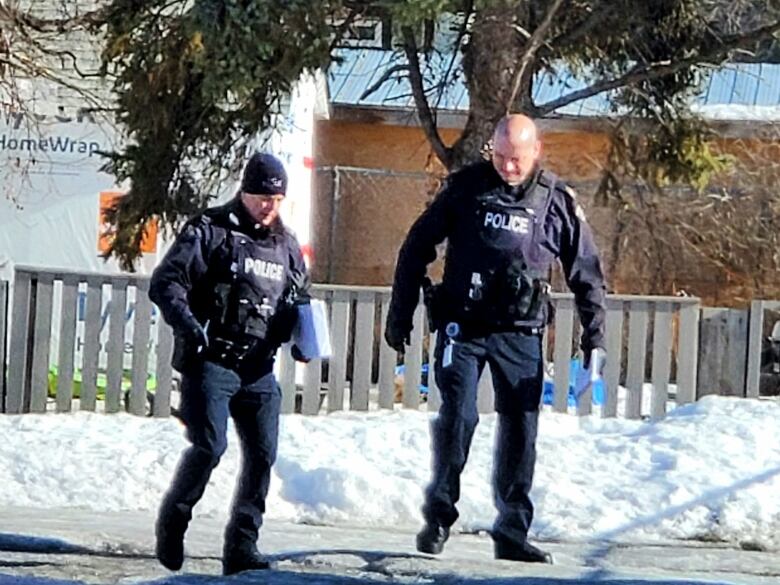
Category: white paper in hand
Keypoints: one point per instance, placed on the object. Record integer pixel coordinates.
(311, 333)
(587, 376)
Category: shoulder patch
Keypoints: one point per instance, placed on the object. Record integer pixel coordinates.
(569, 191)
(566, 189)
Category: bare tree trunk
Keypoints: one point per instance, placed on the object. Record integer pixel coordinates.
(490, 59)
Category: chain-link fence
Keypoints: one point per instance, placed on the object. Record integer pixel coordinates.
(361, 217)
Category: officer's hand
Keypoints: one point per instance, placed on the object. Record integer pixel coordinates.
(397, 337)
(195, 334)
(297, 355)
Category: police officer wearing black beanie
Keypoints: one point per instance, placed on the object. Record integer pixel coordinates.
(229, 287)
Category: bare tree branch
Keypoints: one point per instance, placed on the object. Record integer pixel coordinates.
(534, 42)
(663, 68)
(389, 72)
(13, 17)
(421, 101)
(468, 10)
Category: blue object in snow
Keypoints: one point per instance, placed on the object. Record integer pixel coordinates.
(399, 371)
(548, 391)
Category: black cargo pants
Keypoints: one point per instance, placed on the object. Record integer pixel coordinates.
(210, 394)
(516, 365)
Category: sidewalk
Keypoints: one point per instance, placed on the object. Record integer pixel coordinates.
(55, 547)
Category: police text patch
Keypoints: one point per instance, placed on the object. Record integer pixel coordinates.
(506, 221)
(264, 269)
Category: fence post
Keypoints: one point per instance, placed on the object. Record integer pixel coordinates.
(637, 355)
(341, 304)
(688, 353)
(755, 335)
(413, 362)
(662, 354)
(65, 364)
(115, 346)
(136, 400)
(3, 336)
(387, 357)
(614, 334)
(736, 359)
(712, 350)
(21, 339)
(364, 343)
(434, 394)
(41, 342)
(287, 379)
(90, 354)
(162, 393)
(564, 322)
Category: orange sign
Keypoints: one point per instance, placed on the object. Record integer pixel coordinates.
(105, 231)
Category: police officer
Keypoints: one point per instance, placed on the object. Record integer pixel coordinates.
(506, 222)
(228, 287)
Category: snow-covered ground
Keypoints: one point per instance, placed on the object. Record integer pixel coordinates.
(708, 470)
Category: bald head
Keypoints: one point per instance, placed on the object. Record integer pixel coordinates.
(516, 148)
(515, 128)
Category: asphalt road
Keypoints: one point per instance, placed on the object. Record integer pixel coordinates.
(70, 546)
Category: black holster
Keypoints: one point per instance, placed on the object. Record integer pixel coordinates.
(432, 303)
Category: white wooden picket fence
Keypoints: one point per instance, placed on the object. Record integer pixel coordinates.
(98, 337)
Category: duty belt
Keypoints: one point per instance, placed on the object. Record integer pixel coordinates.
(482, 330)
(228, 353)
(530, 330)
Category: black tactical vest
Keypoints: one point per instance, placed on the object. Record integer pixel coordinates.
(249, 279)
(497, 267)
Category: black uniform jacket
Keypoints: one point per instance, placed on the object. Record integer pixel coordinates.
(540, 218)
(224, 247)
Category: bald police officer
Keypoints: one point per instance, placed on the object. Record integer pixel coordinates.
(506, 221)
(229, 286)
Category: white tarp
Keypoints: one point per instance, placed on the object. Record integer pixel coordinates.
(50, 185)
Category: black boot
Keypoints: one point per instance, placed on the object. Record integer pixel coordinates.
(525, 553)
(169, 531)
(238, 560)
(431, 538)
